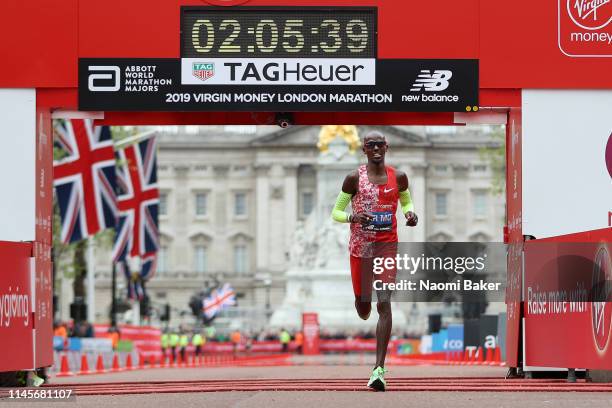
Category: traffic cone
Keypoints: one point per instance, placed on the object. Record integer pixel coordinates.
(480, 356)
(472, 359)
(141, 361)
(489, 360)
(128, 362)
(84, 365)
(466, 357)
(64, 368)
(497, 356)
(115, 368)
(100, 365)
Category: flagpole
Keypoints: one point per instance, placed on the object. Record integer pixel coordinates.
(91, 281)
(133, 139)
(113, 309)
(136, 302)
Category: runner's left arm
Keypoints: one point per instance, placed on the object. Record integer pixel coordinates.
(406, 200)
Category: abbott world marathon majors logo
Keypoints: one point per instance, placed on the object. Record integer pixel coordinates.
(585, 28)
(601, 307)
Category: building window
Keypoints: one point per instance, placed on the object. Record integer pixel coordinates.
(480, 204)
(307, 203)
(201, 204)
(240, 204)
(200, 259)
(441, 204)
(480, 168)
(441, 168)
(240, 259)
(163, 203)
(162, 259)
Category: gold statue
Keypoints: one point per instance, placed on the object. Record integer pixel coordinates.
(346, 132)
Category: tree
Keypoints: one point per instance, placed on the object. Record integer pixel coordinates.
(495, 155)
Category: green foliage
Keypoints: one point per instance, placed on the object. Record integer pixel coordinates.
(495, 155)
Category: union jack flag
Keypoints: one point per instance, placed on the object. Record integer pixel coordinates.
(137, 232)
(148, 265)
(84, 180)
(218, 300)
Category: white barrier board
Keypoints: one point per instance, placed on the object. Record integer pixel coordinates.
(567, 187)
(17, 164)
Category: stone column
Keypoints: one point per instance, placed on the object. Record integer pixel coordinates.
(417, 184)
(220, 219)
(180, 251)
(460, 208)
(262, 193)
(291, 202)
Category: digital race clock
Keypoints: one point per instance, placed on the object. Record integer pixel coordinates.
(252, 32)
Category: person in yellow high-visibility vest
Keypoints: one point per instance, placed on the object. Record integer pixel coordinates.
(284, 338)
(174, 341)
(165, 342)
(183, 343)
(198, 342)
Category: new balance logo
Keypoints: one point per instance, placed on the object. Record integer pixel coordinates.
(426, 81)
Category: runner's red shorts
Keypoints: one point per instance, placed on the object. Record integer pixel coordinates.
(365, 271)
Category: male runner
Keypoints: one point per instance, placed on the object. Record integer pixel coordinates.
(373, 190)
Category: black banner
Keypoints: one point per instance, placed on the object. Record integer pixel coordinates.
(393, 85)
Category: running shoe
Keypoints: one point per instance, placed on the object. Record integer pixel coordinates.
(377, 379)
(34, 380)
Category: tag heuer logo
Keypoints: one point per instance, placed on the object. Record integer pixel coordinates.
(204, 70)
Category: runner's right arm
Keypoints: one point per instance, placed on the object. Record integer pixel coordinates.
(349, 189)
(338, 213)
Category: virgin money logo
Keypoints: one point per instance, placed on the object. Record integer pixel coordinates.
(585, 28)
(609, 155)
(590, 14)
(601, 309)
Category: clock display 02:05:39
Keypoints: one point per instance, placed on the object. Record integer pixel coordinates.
(242, 35)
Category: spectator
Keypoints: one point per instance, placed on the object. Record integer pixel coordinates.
(174, 341)
(284, 338)
(198, 342)
(299, 341)
(235, 338)
(183, 343)
(59, 329)
(165, 342)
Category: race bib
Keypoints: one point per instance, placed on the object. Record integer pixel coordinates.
(383, 221)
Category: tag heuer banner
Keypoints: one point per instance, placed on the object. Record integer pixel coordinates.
(278, 84)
